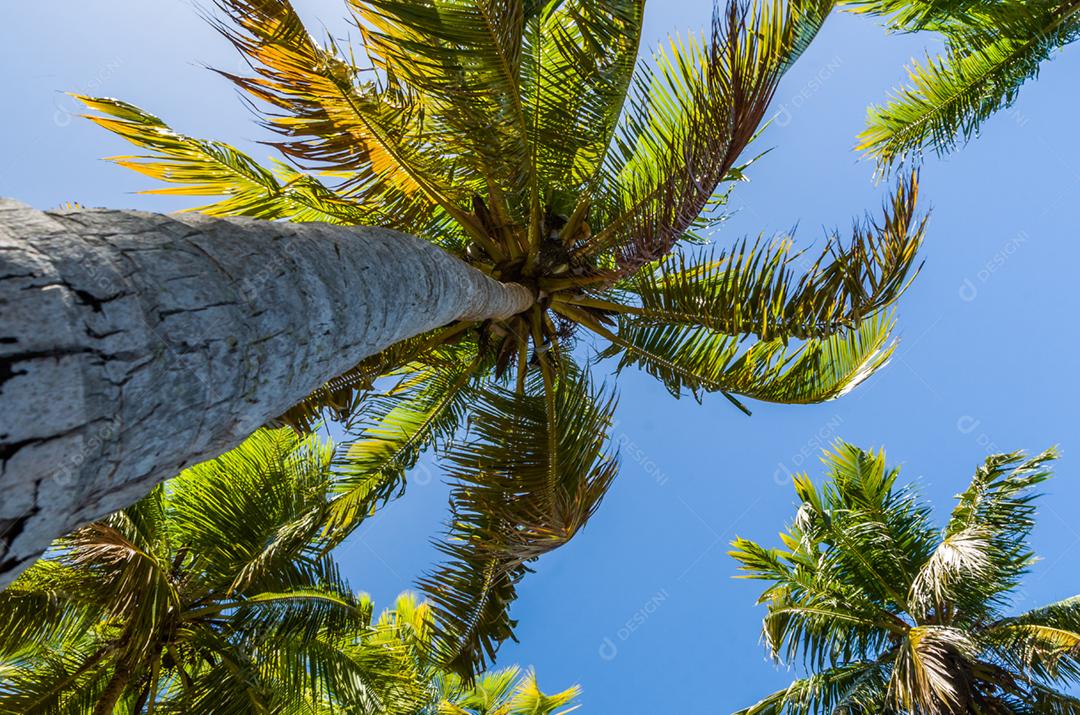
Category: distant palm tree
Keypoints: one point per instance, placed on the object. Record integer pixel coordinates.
(507, 691)
(516, 136)
(214, 595)
(991, 50)
(894, 617)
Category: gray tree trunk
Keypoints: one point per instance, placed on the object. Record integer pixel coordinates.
(133, 344)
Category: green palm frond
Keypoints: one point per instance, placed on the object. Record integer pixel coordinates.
(697, 360)
(509, 691)
(422, 409)
(991, 51)
(535, 468)
(755, 289)
(997, 507)
(1044, 640)
(851, 689)
(908, 16)
(688, 121)
(269, 540)
(60, 681)
(462, 61)
(215, 169)
(578, 61)
(50, 601)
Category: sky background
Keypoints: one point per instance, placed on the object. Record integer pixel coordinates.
(641, 609)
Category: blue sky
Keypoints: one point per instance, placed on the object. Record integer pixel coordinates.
(642, 609)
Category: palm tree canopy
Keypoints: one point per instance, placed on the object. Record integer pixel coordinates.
(991, 50)
(210, 594)
(215, 594)
(524, 137)
(891, 616)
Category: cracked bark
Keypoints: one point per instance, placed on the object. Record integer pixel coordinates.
(133, 345)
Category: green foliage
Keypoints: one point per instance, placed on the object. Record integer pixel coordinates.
(535, 470)
(892, 616)
(525, 138)
(991, 50)
(214, 594)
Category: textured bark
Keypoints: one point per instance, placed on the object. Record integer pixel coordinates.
(133, 344)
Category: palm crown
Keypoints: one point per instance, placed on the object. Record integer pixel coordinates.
(894, 617)
(215, 594)
(519, 136)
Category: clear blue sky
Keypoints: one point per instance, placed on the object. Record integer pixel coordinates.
(641, 609)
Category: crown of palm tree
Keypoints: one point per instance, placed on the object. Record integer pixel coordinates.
(525, 138)
(215, 594)
(991, 50)
(894, 617)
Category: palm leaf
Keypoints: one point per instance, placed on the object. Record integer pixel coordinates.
(578, 61)
(951, 96)
(836, 690)
(333, 121)
(688, 122)
(754, 289)
(216, 169)
(423, 408)
(532, 474)
(696, 360)
(462, 59)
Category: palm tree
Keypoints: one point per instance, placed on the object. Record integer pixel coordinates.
(893, 617)
(214, 593)
(498, 131)
(408, 627)
(210, 594)
(991, 50)
(517, 137)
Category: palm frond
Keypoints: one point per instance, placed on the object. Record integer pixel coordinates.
(49, 602)
(755, 288)
(534, 470)
(508, 692)
(696, 360)
(251, 517)
(1044, 642)
(950, 97)
(463, 62)
(208, 168)
(998, 505)
(578, 61)
(836, 690)
(66, 680)
(422, 409)
(689, 120)
(335, 121)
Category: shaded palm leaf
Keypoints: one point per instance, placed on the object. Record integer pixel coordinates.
(533, 472)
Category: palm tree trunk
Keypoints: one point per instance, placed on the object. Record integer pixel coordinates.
(114, 689)
(134, 344)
